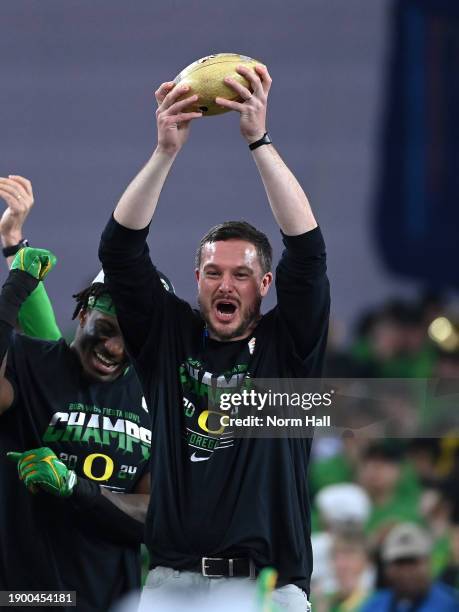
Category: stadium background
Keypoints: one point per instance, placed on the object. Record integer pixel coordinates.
(77, 118)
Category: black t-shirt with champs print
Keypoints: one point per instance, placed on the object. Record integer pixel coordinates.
(100, 430)
(221, 496)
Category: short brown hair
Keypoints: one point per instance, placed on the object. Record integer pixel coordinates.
(239, 230)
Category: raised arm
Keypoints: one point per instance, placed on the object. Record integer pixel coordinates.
(36, 316)
(17, 193)
(301, 280)
(138, 203)
(287, 199)
(132, 280)
(28, 268)
(303, 294)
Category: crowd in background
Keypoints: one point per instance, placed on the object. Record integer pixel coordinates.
(386, 509)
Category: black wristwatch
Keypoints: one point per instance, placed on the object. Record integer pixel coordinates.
(9, 251)
(265, 139)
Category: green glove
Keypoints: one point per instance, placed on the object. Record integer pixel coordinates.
(37, 262)
(41, 469)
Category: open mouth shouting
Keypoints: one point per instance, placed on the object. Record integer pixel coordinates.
(226, 310)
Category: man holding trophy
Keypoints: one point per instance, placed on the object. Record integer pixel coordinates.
(221, 508)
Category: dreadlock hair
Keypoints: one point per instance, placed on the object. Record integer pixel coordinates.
(95, 290)
(239, 230)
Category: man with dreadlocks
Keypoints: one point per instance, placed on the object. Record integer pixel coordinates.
(73, 421)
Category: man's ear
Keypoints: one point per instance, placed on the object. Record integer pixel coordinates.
(266, 282)
(82, 317)
(196, 273)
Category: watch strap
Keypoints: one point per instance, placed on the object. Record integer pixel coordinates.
(9, 251)
(265, 139)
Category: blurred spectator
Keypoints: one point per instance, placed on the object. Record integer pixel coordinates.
(450, 575)
(353, 570)
(339, 362)
(340, 507)
(391, 486)
(405, 555)
(343, 505)
(436, 510)
(341, 463)
(395, 342)
(331, 470)
(423, 454)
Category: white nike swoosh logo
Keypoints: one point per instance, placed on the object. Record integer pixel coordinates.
(194, 458)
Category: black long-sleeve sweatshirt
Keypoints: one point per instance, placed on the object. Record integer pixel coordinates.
(213, 495)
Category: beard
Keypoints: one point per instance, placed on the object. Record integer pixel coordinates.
(249, 317)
